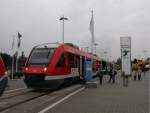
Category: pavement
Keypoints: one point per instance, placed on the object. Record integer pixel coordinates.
(109, 98)
(15, 84)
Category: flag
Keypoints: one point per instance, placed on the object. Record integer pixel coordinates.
(19, 39)
(92, 28)
(13, 44)
(63, 18)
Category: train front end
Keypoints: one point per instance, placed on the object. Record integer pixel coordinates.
(3, 77)
(37, 66)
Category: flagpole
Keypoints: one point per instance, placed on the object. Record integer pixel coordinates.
(18, 46)
(92, 31)
(17, 60)
(12, 73)
(13, 45)
(91, 34)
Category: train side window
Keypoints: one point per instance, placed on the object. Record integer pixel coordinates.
(61, 62)
(71, 60)
(77, 61)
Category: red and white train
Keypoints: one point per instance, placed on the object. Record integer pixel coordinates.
(52, 64)
(3, 76)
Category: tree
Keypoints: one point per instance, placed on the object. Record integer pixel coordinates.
(21, 61)
(7, 60)
(118, 62)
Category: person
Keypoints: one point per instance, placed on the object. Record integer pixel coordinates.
(143, 67)
(139, 71)
(112, 74)
(135, 69)
(100, 75)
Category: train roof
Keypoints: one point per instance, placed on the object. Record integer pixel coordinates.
(75, 50)
(68, 47)
(47, 45)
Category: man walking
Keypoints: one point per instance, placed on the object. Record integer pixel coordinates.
(112, 74)
(100, 74)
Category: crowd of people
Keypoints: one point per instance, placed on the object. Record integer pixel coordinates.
(138, 67)
(110, 70)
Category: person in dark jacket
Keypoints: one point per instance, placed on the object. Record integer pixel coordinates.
(112, 74)
(100, 75)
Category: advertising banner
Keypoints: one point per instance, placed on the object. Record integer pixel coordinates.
(88, 70)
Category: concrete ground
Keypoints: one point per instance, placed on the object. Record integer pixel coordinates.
(15, 84)
(109, 98)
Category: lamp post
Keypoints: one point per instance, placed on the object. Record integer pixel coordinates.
(85, 49)
(110, 58)
(145, 52)
(105, 55)
(62, 19)
(95, 44)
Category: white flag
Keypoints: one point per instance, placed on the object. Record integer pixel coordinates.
(92, 28)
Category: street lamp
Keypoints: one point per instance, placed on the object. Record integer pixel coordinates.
(85, 49)
(110, 58)
(95, 44)
(105, 55)
(145, 52)
(63, 18)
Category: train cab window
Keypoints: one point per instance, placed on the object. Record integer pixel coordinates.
(61, 62)
(71, 60)
(40, 57)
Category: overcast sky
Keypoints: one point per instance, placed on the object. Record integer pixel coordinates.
(38, 22)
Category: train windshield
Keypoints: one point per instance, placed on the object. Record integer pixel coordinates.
(40, 57)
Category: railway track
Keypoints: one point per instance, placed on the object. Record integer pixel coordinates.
(13, 94)
(11, 101)
(16, 99)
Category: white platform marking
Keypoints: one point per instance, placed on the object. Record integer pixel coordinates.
(61, 100)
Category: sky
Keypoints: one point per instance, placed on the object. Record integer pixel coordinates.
(38, 22)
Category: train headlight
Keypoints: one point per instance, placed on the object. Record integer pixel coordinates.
(45, 69)
(26, 69)
(6, 72)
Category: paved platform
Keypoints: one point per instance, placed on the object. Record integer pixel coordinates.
(109, 98)
(15, 84)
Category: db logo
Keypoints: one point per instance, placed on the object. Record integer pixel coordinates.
(74, 71)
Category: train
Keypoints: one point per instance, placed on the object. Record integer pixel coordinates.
(3, 76)
(53, 64)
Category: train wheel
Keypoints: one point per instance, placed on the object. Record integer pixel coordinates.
(3, 84)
